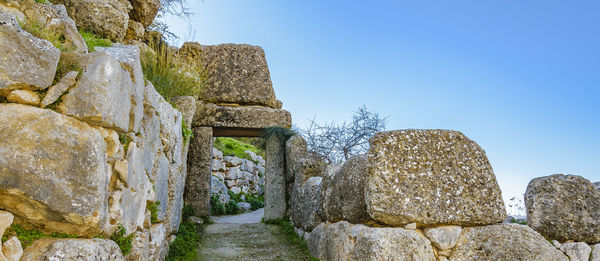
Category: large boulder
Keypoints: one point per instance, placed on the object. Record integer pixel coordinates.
(103, 94)
(392, 244)
(305, 203)
(108, 18)
(53, 171)
(21, 52)
(236, 73)
(248, 117)
(345, 192)
(73, 249)
(144, 11)
(504, 242)
(431, 177)
(564, 207)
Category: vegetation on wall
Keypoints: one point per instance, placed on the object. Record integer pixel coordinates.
(170, 77)
(280, 132)
(27, 237)
(185, 246)
(124, 242)
(234, 147)
(92, 40)
(37, 29)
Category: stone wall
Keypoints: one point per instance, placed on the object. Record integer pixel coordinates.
(87, 154)
(238, 175)
(428, 195)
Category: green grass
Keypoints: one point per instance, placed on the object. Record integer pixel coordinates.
(43, 2)
(185, 246)
(93, 40)
(234, 147)
(288, 230)
(171, 77)
(124, 242)
(27, 237)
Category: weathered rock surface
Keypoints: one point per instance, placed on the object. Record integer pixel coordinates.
(53, 170)
(392, 244)
(73, 249)
(144, 11)
(595, 254)
(346, 196)
(108, 18)
(6, 219)
(275, 188)
(159, 246)
(338, 241)
(442, 176)
(12, 249)
(55, 91)
(251, 117)
(504, 242)
(316, 242)
(22, 51)
(197, 189)
(236, 73)
(305, 203)
(564, 207)
(444, 237)
(140, 247)
(577, 251)
(23, 97)
(102, 96)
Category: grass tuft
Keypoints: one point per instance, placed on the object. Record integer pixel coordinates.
(93, 40)
(234, 147)
(170, 77)
(37, 29)
(280, 132)
(153, 208)
(27, 237)
(288, 230)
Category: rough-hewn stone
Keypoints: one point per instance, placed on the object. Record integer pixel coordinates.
(576, 251)
(444, 237)
(159, 246)
(144, 11)
(73, 249)
(197, 189)
(102, 96)
(140, 250)
(305, 203)
(53, 170)
(441, 177)
(392, 244)
(316, 242)
(251, 117)
(20, 52)
(12, 249)
(504, 242)
(345, 192)
(6, 219)
(23, 97)
(275, 188)
(595, 254)
(55, 18)
(236, 73)
(55, 91)
(108, 18)
(564, 207)
(338, 241)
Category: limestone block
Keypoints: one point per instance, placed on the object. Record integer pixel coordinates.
(140, 250)
(54, 172)
(22, 51)
(102, 96)
(576, 251)
(73, 249)
(442, 176)
(249, 117)
(305, 203)
(504, 242)
(108, 18)
(135, 32)
(236, 73)
(197, 189)
(339, 242)
(275, 188)
(159, 246)
(114, 148)
(144, 11)
(233, 173)
(316, 241)
(6, 219)
(232, 161)
(26, 97)
(135, 195)
(564, 207)
(444, 237)
(12, 249)
(595, 254)
(346, 192)
(217, 154)
(392, 244)
(55, 91)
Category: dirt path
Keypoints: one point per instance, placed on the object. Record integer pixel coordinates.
(246, 241)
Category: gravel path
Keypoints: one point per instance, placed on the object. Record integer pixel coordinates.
(244, 240)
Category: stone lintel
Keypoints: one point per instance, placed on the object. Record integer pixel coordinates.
(244, 117)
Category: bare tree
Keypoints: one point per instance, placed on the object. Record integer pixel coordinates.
(338, 142)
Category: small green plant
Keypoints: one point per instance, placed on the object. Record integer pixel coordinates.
(288, 229)
(171, 77)
(280, 132)
(125, 141)
(153, 208)
(216, 207)
(187, 133)
(124, 242)
(256, 203)
(234, 147)
(27, 237)
(232, 208)
(185, 246)
(92, 40)
(518, 221)
(43, 2)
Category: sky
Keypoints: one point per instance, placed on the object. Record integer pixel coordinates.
(521, 78)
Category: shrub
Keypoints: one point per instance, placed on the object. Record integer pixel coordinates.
(170, 77)
(124, 242)
(93, 40)
(216, 207)
(256, 203)
(233, 147)
(232, 207)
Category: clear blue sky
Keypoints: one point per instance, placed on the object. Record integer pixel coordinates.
(521, 78)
